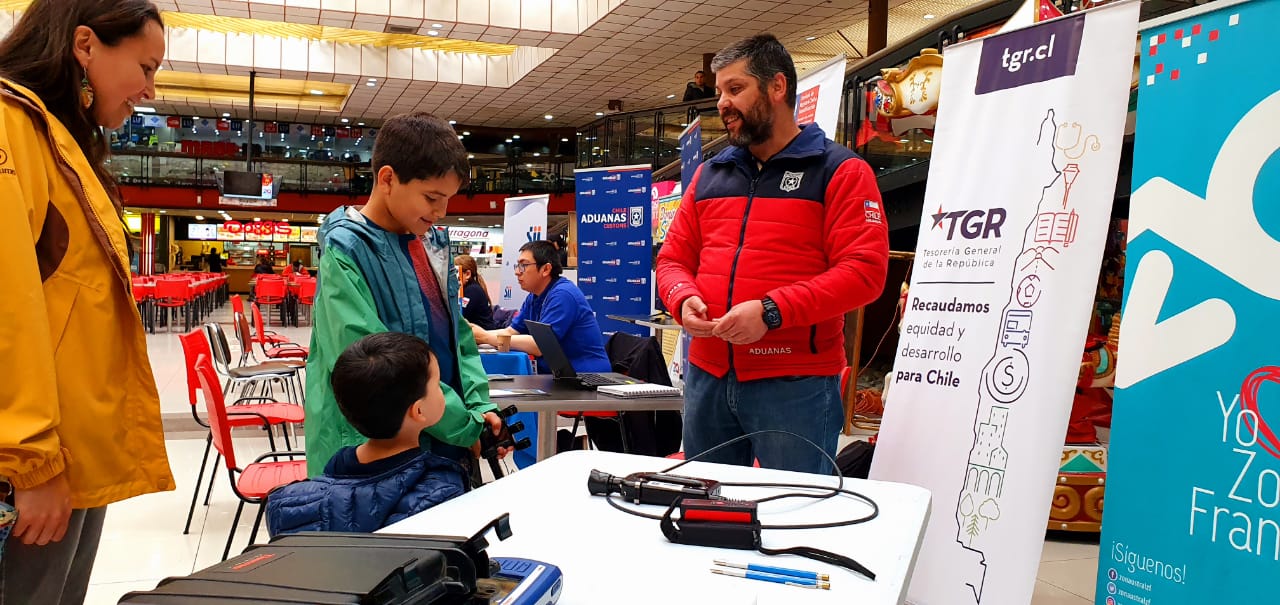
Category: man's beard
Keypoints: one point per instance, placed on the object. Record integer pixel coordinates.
(755, 126)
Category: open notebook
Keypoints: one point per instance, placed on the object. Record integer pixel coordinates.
(638, 391)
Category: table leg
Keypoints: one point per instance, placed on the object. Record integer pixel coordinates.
(546, 435)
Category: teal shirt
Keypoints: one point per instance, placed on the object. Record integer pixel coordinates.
(367, 285)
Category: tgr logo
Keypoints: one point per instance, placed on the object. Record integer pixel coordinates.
(974, 224)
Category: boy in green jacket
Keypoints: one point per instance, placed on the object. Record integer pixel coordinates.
(386, 267)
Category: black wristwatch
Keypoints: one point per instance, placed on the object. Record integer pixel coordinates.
(772, 316)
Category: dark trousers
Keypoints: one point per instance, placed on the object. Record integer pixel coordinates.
(648, 433)
(56, 573)
(717, 410)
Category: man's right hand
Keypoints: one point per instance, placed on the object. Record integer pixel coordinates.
(693, 316)
(483, 337)
(43, 511)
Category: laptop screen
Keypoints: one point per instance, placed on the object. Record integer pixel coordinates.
(545, 337)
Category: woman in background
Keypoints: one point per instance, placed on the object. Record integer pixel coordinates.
(296, 268)
(79, 413)
(264, 266)
(474, 296)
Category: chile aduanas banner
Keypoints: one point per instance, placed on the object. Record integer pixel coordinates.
(1193, 473)
(615, 243)
(1021, 183)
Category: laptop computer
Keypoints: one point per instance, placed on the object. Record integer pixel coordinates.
(553, 354)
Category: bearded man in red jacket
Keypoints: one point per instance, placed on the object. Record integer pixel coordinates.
(776, 239)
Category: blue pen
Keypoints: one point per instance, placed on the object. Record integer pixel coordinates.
(779, 571)
(785, 580)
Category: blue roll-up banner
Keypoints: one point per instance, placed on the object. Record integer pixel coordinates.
(1193, 473)
(690, 152)
(615, 243)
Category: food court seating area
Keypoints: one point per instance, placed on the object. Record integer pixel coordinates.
(163, 299)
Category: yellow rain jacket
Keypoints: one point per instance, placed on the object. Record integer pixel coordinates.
(76, 391)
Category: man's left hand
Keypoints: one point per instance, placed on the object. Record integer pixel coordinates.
(495, 425)
(743, 324)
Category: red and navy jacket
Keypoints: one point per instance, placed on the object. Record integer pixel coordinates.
(806, 229)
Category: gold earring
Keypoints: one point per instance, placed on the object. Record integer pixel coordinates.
(86, 92)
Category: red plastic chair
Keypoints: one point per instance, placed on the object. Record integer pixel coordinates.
(173, 293)
(270, 291)
(276, 352)
(262, 335)
(252, 483)
(144, 292)
(194, 344)
(307, 295)
(237, 304)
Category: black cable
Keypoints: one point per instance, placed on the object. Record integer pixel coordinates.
(875, 508)
(835, 468)
(831, 492)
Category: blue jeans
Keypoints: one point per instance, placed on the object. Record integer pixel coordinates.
(719, 409)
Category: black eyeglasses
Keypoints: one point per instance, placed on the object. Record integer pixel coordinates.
(522, 267)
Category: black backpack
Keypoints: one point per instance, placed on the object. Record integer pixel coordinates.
(854, 461)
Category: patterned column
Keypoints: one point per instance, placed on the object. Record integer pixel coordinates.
(147, 254)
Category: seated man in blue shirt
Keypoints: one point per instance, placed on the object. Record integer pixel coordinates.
(556, 301)
(387, 385)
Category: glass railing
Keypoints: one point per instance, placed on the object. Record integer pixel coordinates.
(499, 176)
(650, 136)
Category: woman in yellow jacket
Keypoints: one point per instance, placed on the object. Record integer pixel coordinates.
(79, 413)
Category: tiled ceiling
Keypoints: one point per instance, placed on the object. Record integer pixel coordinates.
(571, 56)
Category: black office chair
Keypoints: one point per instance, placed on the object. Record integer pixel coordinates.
(648, 433)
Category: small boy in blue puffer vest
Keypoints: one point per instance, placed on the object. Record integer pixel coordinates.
(387, 385)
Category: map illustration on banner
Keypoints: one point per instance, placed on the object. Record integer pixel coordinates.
(1001, 293)
(1006, 373)
(1198, 372)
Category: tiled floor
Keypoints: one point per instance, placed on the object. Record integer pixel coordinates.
(143, 541)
